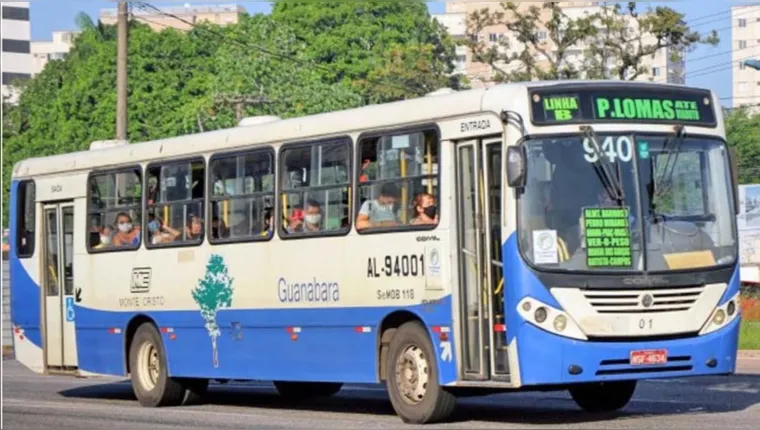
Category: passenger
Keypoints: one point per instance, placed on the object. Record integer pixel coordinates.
(105, 237)
(379, 212)
(309, 220)
(127, 233)
(268, 222)
(160, 232)
(425, 210)
(219, 229)
(295, 222)
(194, 228)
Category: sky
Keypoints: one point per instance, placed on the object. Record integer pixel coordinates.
(707, 67)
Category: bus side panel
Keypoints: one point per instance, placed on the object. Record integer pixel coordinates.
(268, 344)
(25, 296)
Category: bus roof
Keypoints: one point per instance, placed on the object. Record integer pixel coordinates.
(373, 117)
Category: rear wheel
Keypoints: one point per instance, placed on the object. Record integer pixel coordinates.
(412, 379)
(603, 396)
(306, 390)
(150, 377)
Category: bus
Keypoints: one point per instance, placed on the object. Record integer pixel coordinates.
(568, 235)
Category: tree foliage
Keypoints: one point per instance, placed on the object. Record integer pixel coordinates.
(743, 133)
(214, 292)
(620, 38)
(390, 50)
(179, 83)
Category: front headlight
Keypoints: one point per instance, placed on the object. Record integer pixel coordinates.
(723, 315)
(549, 318)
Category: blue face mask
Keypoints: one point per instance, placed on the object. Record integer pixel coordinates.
(153, 226)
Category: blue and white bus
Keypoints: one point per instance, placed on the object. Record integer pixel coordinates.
(573, 235)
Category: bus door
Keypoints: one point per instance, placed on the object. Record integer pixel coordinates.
(58, 291)
(478, 176)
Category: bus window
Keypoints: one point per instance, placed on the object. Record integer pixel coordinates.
(398, 181)
(115, 210)
(315, 188)
(25, 219)
(242, 196)
(175, 203)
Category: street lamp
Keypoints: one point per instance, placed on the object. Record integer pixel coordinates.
(755, 64)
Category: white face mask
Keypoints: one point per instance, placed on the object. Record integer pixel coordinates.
(124, 228)
(313, 218)
(105, 240)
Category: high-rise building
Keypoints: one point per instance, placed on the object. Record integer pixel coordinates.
(745, 45)
(17, 59)
(661, 67)
(221, 14)
(55, 49)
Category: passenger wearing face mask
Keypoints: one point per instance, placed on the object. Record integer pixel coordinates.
(105, 237)
(311, 221)
(425, 210)
(380, 212)
(127, 233)
(160, 232)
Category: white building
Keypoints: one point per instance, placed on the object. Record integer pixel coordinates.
(221, 14)
(55, 49)
(745, 45)
(16, 56)
(660, 66)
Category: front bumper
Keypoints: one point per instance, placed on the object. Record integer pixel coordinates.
(546, 358)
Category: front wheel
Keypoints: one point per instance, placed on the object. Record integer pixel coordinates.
(412, 379)
(603, 396)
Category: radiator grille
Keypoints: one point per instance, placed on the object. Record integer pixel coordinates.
(643, 301)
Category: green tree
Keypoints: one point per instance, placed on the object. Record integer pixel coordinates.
(610, 37)
(214, 292)
(628, 37)
(179, 83)
(743, 133)
(362, 42)
(528, 26)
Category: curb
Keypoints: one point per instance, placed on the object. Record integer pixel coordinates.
(748, 353)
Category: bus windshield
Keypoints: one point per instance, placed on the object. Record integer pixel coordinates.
(627, 203)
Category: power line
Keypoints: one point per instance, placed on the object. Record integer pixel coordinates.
(264, 50)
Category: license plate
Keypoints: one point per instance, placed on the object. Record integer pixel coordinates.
(657, 356)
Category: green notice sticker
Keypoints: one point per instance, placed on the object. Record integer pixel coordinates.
(608, 237)
(643, 150)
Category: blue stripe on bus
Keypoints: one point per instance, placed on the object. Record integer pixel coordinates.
(25, 293)
(255, 344)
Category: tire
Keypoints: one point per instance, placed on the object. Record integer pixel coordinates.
(423, 402)
(604, 396)
(195, 390)
(152, 388)
(306, 390)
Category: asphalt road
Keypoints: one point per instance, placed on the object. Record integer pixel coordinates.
(36, 401)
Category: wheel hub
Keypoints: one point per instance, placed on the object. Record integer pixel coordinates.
(412, 374)
(148, 366)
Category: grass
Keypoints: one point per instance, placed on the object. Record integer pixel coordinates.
(749, 335)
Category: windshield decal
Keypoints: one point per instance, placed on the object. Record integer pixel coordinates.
(545, 250)
(608, 237)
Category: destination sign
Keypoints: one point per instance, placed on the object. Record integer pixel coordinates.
(563, 105)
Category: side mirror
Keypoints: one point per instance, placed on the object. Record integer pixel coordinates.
(516, 166)
(733, 161)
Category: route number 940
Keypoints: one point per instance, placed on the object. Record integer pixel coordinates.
(615, 149)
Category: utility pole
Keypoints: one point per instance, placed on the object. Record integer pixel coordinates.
(121, 72)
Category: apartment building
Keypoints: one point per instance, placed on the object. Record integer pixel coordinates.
(16, 50)
(55, 49)
(661, 67)
(221, 14)
(745, 45)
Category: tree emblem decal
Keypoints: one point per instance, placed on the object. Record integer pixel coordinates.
(213, 293)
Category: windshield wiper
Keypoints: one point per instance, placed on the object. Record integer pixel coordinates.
(613, 184)
(675, 141)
